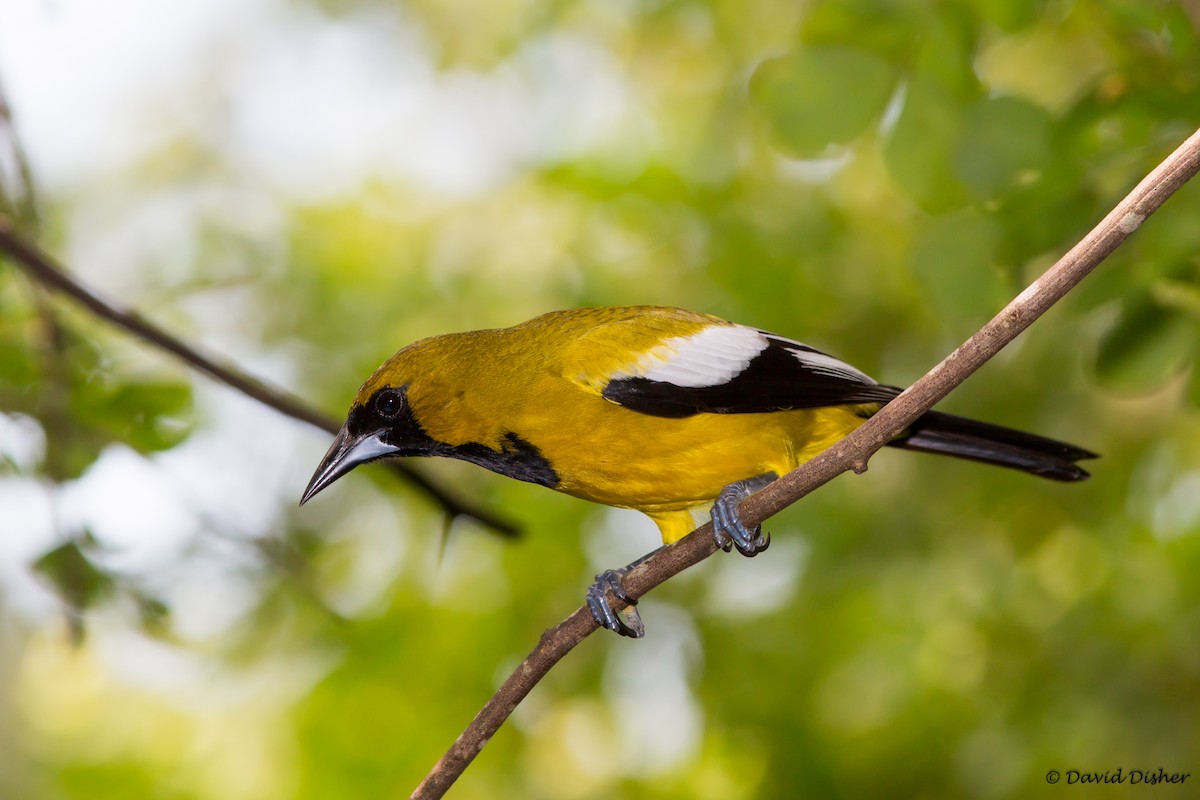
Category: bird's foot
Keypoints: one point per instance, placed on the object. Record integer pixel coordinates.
(728, 529)
(600, 596)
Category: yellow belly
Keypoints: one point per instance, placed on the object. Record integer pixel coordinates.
(665, 467)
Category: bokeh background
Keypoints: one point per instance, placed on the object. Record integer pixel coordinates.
(304, 187)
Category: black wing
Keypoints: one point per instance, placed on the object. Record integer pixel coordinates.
(783, 375)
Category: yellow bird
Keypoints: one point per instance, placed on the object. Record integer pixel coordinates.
(658, 409)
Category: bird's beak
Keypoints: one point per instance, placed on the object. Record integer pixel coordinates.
(346, 453)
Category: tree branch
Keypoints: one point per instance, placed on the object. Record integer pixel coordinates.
(24, 201)
(46, 272)
(852, 453)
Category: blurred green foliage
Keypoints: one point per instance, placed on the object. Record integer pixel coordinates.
(85, 398)
(874, 177)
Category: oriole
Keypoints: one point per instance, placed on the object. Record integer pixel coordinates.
(658, 409)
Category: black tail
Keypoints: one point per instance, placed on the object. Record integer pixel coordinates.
(992, 444)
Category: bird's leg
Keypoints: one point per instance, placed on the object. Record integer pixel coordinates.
(728, 530)
(607, 586)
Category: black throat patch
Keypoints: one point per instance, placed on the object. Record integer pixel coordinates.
(516, 458)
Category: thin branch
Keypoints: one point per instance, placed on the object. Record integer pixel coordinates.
(24, 201)
(851, 453)
(45, 271)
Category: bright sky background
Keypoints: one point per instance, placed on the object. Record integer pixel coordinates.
(298, 103)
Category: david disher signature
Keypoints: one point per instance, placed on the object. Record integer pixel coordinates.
(1133, 776)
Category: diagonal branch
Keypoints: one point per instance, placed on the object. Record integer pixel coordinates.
(24, 201)
(852, 453)
(46, 272)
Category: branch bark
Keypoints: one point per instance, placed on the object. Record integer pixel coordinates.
(48, 273)
(852, 453)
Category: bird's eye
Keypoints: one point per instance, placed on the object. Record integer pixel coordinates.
(388, 403)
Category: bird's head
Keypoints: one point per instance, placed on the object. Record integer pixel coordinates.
(380, 424)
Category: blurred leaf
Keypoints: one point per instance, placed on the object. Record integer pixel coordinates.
(17, 366)
(1005, 142)
(1035, 214)
(946, 50)
(955, 262)
(153, 613)
(917, 152)
(821, 96)
(890, 36)
(1147, 346)
(1011, 15)
(74, 577)
(1158, 30)
(19, 370)
(148, 416)
(1180, 296)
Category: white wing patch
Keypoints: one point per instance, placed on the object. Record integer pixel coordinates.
(821, 363)
(711, 357)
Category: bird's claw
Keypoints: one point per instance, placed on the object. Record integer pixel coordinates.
(728, 529)
(600, 596)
